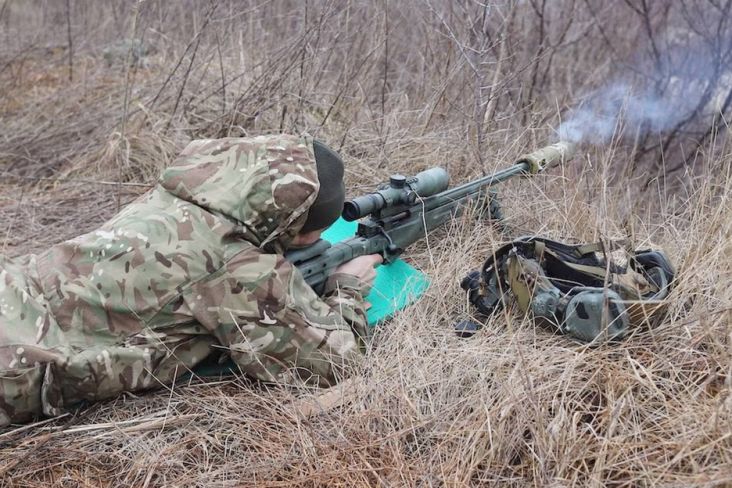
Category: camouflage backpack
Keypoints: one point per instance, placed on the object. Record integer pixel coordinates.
(575, 289)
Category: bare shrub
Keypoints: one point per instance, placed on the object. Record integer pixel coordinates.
(397, 87)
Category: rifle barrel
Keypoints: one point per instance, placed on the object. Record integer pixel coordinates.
(528, 164)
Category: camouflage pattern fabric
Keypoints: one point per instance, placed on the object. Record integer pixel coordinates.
(194, 265)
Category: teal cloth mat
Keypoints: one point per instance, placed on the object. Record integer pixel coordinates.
(397, 285)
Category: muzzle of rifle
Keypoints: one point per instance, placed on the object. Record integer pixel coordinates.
(547, 157)
(400, 190)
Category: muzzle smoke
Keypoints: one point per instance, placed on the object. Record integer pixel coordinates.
(624, 110)
(618, 110)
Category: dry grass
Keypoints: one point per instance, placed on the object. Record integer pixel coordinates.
(395, 86)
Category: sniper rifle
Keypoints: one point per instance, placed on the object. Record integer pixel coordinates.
(406, 209)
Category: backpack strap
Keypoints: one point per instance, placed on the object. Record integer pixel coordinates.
(485, 288)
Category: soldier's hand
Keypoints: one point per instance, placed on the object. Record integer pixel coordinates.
(362, 267)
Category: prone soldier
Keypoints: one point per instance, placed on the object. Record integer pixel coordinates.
(193, 266)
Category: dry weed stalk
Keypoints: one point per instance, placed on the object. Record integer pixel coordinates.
(397, 86)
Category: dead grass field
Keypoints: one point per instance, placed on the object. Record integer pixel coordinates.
(396, 86)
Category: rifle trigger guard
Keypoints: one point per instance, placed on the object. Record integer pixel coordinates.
(391, 251)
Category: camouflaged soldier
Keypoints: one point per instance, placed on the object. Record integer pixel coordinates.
(194, 265)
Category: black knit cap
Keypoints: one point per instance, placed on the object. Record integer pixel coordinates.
(328, 204)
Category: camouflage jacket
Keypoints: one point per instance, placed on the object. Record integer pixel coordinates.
(193, 265)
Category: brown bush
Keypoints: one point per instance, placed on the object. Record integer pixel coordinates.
(396, 86)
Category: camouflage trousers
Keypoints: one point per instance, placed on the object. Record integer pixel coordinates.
(45, 369)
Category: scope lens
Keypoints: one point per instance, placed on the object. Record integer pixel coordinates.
(351, 211)
(363, 206)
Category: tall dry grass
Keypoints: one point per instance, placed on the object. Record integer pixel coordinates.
(395, 86)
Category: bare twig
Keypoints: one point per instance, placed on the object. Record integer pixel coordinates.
(69, 40)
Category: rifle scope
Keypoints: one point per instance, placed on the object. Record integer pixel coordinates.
(400, 190)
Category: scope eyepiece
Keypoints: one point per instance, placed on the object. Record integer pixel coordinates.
(399, 191)
(362, 206)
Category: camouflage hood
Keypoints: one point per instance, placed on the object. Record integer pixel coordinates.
(264, 184)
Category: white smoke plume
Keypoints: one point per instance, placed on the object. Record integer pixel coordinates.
(617, 109)
(624, 110)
